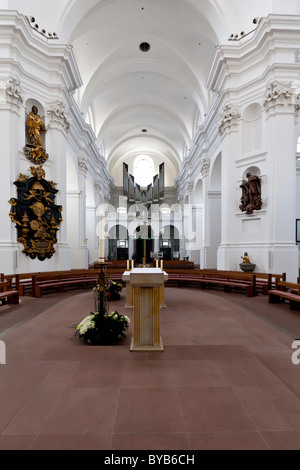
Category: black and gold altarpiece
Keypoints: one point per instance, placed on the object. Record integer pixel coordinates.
(36, 215)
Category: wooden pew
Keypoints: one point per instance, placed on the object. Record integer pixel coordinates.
(7, 294)
(176, 264)
(264, 281)
(213, 278)
(59, 282)
(37, 283)
(23, 282)
(286, 291)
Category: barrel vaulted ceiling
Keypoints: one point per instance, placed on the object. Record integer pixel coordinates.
(126, 90)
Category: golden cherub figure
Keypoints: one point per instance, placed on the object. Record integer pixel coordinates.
(246, 258)
(38, 172)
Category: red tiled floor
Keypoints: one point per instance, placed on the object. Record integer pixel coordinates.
(72, 442)
(148, 410)
(83, 410)
(282, 440)
(147, 374)
(264, 414)
(197, 374)
(150, 441)
(224, 381)
(227, 441)
(213, 409)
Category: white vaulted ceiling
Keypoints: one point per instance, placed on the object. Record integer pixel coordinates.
(163, 91)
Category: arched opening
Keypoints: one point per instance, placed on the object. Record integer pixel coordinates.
(91, 235)
(169, 242)
(73, 209)
(213, 228)
(197, 243)
(143, 243)
(118, 243)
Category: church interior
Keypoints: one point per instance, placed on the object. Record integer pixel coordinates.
(150, 225)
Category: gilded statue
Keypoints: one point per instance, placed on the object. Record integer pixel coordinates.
(35, 127)
(34, 149)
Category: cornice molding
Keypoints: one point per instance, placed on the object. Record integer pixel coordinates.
(267, 46)
(46, 58)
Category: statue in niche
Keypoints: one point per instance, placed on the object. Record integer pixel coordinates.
(36, 127)
(251, 196)
(34, 149)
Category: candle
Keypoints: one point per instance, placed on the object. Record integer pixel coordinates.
(102, 240)
(128, 265)
(157, 263)
(132, 264)
(162, 265)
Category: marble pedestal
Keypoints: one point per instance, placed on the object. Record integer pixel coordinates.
(146, 284)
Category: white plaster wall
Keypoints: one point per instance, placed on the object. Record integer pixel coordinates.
(44, 72)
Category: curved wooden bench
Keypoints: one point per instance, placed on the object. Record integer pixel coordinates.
(59, 283)
(7, 295)
(203, 279)
(286, 291)
(37, 283)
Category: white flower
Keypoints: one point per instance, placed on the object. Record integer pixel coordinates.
(87, 324)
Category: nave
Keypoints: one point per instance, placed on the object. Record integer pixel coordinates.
(224, 381)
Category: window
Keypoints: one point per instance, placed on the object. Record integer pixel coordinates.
(143, 171)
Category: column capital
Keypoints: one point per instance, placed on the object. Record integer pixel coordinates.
(228, 119)
(204, 166)
(280, 95)
(82, 165)
(58, 116)
(189, 188)
(11, 93)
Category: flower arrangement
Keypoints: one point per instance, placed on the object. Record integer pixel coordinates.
(97, 329)
(113, 290)
(100, 327)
